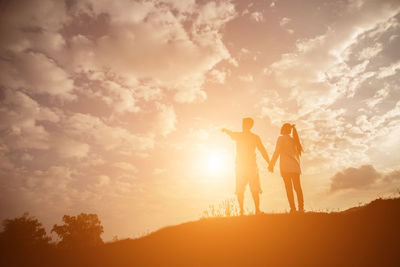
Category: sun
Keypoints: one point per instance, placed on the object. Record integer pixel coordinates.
(215, 163)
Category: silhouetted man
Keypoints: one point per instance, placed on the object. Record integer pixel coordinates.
(246, 166)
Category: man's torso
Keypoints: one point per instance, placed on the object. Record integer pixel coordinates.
(246, 145)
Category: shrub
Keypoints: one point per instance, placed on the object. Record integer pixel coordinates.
(23, 232)
(23, 242)
(83, 230)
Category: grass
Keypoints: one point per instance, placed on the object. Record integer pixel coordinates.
(227, 208)
(367, 235)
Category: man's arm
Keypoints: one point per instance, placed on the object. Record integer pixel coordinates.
(233, 135)
(262, 150)
(275, 156)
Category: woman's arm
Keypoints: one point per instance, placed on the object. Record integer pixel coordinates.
(276, 155)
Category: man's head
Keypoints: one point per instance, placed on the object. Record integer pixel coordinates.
(247, 124)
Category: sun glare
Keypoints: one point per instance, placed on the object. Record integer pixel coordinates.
(215, 163)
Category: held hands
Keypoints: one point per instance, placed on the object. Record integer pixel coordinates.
(270, 168)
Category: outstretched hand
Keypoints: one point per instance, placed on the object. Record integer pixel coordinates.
(224, 130)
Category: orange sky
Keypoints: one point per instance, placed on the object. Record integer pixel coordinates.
(115, 107)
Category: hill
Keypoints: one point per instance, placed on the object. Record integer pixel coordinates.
(361, 236)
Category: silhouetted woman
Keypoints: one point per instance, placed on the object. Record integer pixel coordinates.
(289, 149)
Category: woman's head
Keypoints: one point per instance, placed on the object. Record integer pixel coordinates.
(288, 128)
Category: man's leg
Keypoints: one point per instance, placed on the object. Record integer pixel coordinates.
(299, 191)
(240, 197)
(289, 191)
(255, 188)
(241, 183)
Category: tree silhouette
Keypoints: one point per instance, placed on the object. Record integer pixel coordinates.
(23, 232)
(79, 231)
(23, 240)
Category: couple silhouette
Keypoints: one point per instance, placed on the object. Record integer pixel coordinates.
(288, 148)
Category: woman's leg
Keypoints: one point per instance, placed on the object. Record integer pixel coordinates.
(299, 191)
(289, 190)
(256, 199)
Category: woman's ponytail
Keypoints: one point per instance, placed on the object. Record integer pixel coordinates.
(297, 139)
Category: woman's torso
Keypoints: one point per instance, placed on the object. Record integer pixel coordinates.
(289, 155)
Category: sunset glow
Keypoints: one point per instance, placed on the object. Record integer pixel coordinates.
(216, 164)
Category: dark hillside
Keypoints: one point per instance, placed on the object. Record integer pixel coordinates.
(362, 236)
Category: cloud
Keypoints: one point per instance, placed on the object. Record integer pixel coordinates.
(32, 25)
(365, 177)
(26, 157)
(378, 97)
(38, 74)
(218, 76)
(246, 78)
(6, 165)
(125, 166)
(53, 179)
(308, 72)
(354, 178)
(370, 52)
(189, 90)
(21, 123)
(30, 44)
(103, 180)
(330, 87)
(165, 119)
(284, 21)
(106, 137)
(95, 83)
(389, 71)
(148, 41)
(68, 148)
(159, 171)
(121, 98)
(392, 177)
(257, 16)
